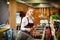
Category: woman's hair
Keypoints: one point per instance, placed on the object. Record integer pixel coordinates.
(29, 9)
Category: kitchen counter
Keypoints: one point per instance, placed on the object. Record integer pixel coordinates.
(3, 29)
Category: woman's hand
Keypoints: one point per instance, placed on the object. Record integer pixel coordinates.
(34, 26)
(28, 29)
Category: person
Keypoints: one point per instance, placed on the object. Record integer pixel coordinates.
(28, 21)
(26, 26)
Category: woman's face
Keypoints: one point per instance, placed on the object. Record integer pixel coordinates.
(31, 12)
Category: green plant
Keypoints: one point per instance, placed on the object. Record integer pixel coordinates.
(56, 16)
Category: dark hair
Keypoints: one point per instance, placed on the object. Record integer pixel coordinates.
(20, 13)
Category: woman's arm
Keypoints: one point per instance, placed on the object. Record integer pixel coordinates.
(24, 23)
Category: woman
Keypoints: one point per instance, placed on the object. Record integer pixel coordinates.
(28, 21)
(26, 26)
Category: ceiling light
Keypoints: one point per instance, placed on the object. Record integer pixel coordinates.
(8, 2)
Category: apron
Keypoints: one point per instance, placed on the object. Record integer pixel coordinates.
(29, 25)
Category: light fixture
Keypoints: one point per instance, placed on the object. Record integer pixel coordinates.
(42, 5)
(36, 3)
(8, 2)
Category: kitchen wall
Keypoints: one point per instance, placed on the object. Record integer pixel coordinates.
(23, 8)
(4, 11)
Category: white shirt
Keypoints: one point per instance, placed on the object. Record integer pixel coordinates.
(25, 22)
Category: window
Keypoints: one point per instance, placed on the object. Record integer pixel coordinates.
(18, 18)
